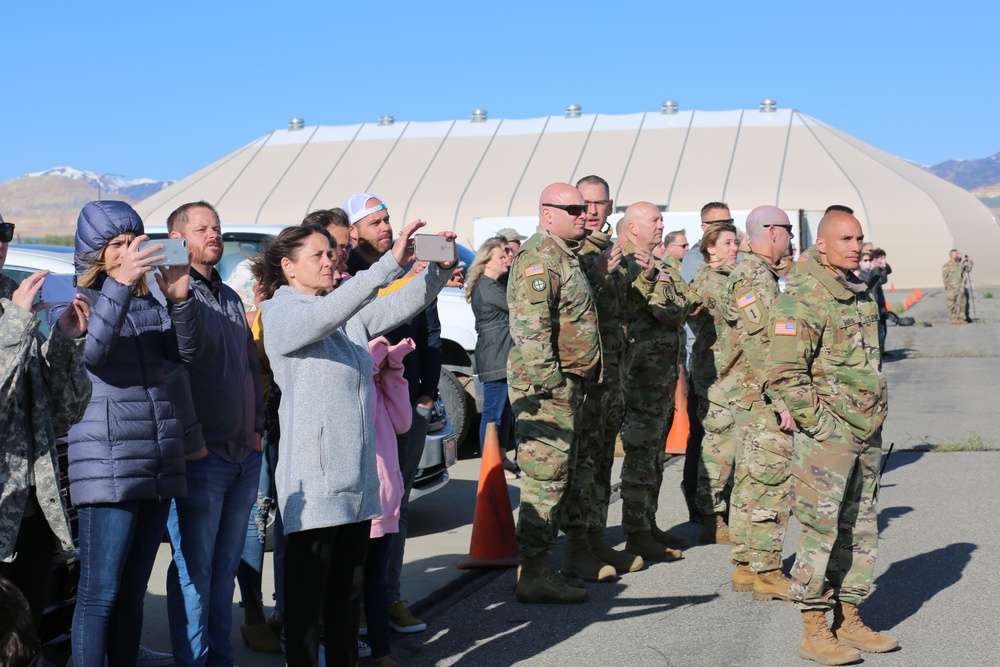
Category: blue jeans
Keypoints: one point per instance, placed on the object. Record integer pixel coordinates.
(118, 544)
(248, 573)
(207, 532)
(376, 596)
(411, 449)
(496, 409)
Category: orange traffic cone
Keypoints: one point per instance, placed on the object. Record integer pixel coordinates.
(888, 306)
(493, 543)
(892, 288)
(678, 437)
(919, 293)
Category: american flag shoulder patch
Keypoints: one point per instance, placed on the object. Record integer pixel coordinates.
(782, 328)
(746, 300)
(535, 270)
(664, 277)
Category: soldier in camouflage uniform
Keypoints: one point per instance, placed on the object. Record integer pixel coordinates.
(953, 274)
(585, 518)
(759, 506)
(824, 363)
(557, 349)
(45, 389)
(651, 368)
(710, 363)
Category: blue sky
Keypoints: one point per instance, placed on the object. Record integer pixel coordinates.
(159, 89)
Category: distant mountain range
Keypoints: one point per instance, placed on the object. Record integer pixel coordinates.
(980, 177)
(48, 202)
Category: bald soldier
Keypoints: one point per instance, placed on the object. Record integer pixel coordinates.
(759, 505)
(557, 350)
(824, 363)
(651, 367)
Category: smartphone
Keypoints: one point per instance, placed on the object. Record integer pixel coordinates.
(176, 251)
(433, 248)
(58, 289)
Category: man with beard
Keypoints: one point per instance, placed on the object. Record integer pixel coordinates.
(371, 237)
(223, 413)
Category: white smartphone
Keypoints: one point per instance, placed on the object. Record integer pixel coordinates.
(176, 251)
(433, 248)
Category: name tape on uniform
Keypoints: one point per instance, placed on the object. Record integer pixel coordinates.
(785, 328)
(746, 300)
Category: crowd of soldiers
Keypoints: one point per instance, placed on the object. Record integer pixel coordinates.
(788, 383)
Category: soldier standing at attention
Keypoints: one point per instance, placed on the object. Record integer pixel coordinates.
(655, 332)
(585, 518)
(759, 506)
(824, 362)
(953, 274)
(557, 350)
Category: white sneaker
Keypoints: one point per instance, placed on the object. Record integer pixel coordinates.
(364, 650)
(150, 658)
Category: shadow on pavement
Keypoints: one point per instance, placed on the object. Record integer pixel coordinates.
(885, 516)
(900, 458)
(904, 588)
(438, 512)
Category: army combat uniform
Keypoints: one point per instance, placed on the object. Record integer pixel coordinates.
(655, 332)
(557, 349)
(824, 362)
(759, 507)
(953, 274)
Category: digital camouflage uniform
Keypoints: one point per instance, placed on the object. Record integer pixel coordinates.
(44, 389)
(604, 407)
(557, 348)
(759, 507)
(824, 362)
(711, 356)
(953, 274)
(656, 345)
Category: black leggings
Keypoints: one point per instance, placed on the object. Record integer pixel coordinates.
(324, 575)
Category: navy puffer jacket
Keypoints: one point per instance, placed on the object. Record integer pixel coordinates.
(129, 445)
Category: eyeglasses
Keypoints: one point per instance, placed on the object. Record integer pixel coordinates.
(787, 227)
(6, 232)
(727, 221)
(574, 210)
(596, 202)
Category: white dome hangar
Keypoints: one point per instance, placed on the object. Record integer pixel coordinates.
(453, 172)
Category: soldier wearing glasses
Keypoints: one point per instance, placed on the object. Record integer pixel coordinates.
(557, 349)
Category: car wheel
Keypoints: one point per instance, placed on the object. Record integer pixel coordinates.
(456, 403)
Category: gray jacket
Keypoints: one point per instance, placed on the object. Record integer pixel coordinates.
(318, 348)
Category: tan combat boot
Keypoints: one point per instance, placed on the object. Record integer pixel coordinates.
(537, 583)
(851, 630)
(643, 544)
(668, 539)
(714, 530)
(743, 578)
(819, 644)
(622, 561)
(580, 562)
(771, 585)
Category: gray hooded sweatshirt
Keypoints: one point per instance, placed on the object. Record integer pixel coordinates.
(318, 349)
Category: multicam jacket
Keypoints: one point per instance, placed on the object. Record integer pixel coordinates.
(953, 273)
(609, 295)
(662, 315)
(553, 319)
(44, 389)
(824, 359)
(750, 294)
(712, 345)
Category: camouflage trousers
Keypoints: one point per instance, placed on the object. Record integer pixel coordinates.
(760, 504)
(718, 451)
(586, 508)
(548, 437)
(958, 303)
(834, 489)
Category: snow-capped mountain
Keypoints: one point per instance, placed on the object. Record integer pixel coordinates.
(133, 188)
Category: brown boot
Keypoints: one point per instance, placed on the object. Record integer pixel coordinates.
(537, 583)
(579, 561)
(668, 539)
(743, 578)
(771, 585)
(714, 530)
(851, 630)
(622, 561)
(819, 644)
(643, 544)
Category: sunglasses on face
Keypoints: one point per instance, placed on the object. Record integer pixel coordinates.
(574, 210)
(6, 232)
(787, 227)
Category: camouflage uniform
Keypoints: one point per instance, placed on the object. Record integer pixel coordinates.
(604, 407)
(800, 268)
(824, 362)
(557, 348)
(759, 507)
(45, 389)
(953, 274)
(710, 355)
(655, 316)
